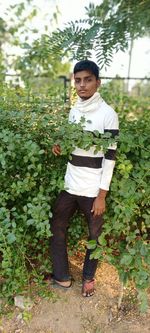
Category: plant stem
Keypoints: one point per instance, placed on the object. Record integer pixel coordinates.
(120, 295)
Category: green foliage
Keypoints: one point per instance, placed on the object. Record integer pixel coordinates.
(31, 177)
(125, 239)
(38, 60)
(18, 27)
(141, 89)
(27, 190)
(108, 28)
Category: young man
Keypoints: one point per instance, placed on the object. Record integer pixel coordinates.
(87, 178)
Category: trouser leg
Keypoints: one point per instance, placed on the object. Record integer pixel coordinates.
(95, 229)
(64, 208)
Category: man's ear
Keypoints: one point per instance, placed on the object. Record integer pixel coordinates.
(98, 83)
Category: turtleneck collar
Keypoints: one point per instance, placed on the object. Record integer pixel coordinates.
(90, 104)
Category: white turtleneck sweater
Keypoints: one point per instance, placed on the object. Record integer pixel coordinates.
(87, 172)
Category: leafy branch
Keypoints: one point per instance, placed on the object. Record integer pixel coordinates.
(109, 27)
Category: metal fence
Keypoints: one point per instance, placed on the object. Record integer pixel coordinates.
(46, 88)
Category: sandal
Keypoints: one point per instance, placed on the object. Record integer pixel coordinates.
(88, 288)
(56, 284)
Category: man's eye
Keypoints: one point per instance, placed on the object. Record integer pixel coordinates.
(77, 81)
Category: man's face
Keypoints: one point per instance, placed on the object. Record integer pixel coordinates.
(86, 84)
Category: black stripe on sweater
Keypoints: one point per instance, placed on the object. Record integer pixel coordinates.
(114, 132)
(110, 154)
(86, 161)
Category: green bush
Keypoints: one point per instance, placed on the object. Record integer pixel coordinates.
(31, 178)
(27, 190)
(125, 239)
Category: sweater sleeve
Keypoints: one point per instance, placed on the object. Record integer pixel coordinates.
(111, 125)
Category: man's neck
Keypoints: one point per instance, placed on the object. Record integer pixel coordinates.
(85, 98)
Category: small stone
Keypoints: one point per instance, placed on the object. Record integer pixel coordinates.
(19, 317)
(110, 316)
(19, 302)
(23, 303)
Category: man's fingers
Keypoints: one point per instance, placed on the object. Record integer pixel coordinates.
(94, 211)
(56, 150)
(55, 153)
(98, 212)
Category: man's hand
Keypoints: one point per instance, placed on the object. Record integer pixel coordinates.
(56, 150)
(99, 204)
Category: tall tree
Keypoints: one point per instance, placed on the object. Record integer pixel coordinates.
(23, 43)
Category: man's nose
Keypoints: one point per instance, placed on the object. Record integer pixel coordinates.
(82, 83)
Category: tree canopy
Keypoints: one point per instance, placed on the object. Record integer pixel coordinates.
(108, 27)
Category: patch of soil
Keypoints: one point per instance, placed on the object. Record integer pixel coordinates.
(69, 312)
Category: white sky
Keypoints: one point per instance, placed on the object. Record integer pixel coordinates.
(75, 10)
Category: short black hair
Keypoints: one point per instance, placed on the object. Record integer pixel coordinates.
(87, 65)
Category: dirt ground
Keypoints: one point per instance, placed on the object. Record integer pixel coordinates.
(69, 312)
